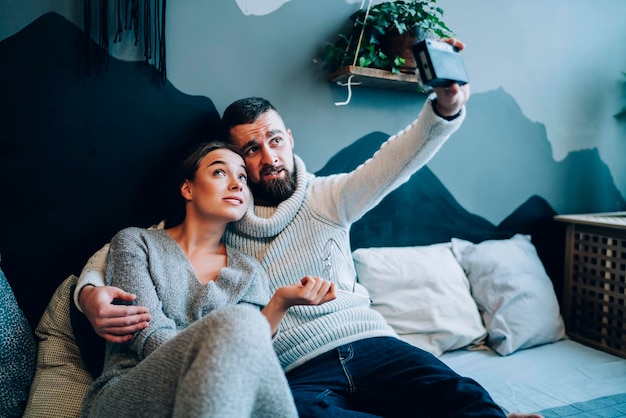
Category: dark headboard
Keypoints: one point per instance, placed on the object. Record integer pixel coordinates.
(82, 155)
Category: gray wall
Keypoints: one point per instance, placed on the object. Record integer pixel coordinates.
(546, 81)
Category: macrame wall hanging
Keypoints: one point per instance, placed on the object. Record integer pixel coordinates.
(146, 20)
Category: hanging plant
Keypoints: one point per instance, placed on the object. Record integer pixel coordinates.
(368, 42)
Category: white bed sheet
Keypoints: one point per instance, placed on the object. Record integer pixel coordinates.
(543, 377)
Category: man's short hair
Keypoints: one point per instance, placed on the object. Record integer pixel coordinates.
(244, 111)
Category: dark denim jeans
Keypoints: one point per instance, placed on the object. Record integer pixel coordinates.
(385, 377)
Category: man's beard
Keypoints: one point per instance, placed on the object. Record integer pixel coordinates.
(275, 191)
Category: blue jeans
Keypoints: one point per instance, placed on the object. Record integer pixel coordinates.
(387, 377)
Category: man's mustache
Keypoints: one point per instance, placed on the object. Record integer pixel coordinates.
(272, 169)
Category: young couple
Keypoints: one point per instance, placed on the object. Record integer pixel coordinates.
(194, 342)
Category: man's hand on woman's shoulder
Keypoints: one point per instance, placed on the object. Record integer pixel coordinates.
(113, 322)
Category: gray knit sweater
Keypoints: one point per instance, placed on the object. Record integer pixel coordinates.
(290, 240)
(150, 264)
(207, 351)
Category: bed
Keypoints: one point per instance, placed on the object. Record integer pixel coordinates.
(419, 247)
(561, 379)
(477, 295)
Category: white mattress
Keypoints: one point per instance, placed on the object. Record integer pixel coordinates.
(539, 378)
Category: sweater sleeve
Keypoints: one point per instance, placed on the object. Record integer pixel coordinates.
(353, 194)
(92, 274)
(127, 267)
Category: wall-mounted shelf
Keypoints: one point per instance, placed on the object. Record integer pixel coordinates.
(376, 78)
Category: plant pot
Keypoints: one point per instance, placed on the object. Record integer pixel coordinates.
(400, 45)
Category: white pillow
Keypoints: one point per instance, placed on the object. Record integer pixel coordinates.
(513, 292)
(423, 294)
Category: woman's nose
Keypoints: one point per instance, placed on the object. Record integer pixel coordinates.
(237, 184)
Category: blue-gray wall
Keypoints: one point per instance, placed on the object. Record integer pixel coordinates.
(546, 81)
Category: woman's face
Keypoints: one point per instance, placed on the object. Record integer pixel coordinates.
(219, 190)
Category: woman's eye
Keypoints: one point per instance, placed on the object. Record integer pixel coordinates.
(243, 178)
(219, 173)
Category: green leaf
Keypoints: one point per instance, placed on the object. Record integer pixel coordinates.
(364, 62)
(398, 16)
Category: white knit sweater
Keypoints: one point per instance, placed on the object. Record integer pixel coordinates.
(290, 240)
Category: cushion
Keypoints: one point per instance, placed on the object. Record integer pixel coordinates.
(423, 294)
(61, 379)
(513, 292)
(17, 353)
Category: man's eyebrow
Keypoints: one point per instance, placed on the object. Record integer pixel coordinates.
(270, 133)
(250, 143)
(273, 132)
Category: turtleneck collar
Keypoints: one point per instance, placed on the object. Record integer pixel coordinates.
(268, 221)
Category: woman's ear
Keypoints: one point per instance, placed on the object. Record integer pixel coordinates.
(185, 190)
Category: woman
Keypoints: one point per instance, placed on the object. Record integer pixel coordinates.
(207, 350)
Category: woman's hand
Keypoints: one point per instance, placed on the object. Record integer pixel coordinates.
(310, 291)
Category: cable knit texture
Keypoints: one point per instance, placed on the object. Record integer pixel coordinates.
(291, 240)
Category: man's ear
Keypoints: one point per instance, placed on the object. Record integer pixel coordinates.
(185, 190)
(290, 138)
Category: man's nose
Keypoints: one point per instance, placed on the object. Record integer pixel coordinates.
(269, 156)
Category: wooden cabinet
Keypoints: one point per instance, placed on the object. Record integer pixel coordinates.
(594, 297)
